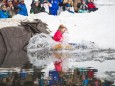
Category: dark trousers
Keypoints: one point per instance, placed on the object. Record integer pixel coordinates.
(93, 9)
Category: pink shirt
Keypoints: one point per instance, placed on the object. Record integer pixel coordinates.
(58, 36)
(58, 66)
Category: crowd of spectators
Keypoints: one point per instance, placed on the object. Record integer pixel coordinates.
(55, 7)
(9, 8)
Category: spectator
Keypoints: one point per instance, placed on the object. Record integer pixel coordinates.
(107, 83)
(60, 6)
(4, 2)
(85, 82)
(54, 8)
(97, 82)
(91, 6)
(79, 4)
(86, 1)
(90, 74)
(33, 1)
(37, 8)
(23, 74)
(69, 8)
(46, 5)
(15, 4)
(3, 12)
(68, 3)
(22, 8)
(83, 7)
(10, 8)
(75, 5)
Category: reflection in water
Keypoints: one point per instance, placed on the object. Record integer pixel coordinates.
(74, 77)
(66, 57)
(42, 58)
(41, 54)
(13, 59)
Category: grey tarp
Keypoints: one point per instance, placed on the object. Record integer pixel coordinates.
(14, 59)
(15, 39)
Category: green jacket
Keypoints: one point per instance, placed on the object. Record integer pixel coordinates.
(37, 9)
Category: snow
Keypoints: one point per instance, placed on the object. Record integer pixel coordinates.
(105, 2)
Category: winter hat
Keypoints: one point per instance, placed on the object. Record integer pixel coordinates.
(68, 5)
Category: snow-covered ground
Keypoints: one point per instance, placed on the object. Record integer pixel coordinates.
(105, 2)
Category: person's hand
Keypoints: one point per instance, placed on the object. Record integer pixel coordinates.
(49, 4)
(61, 40)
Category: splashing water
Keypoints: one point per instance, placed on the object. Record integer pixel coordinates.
(38, 50)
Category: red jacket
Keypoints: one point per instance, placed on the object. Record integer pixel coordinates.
(58, 66)
(58, 36)
(90, 74)
(91, 5)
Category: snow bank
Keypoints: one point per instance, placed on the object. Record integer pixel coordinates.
(96, 26)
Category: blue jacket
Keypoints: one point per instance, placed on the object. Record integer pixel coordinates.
(23, 75)
(55, 6)
(85, 82)
(22, 10)
(4, 14)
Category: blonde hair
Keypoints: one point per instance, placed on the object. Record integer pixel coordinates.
(61, 27)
